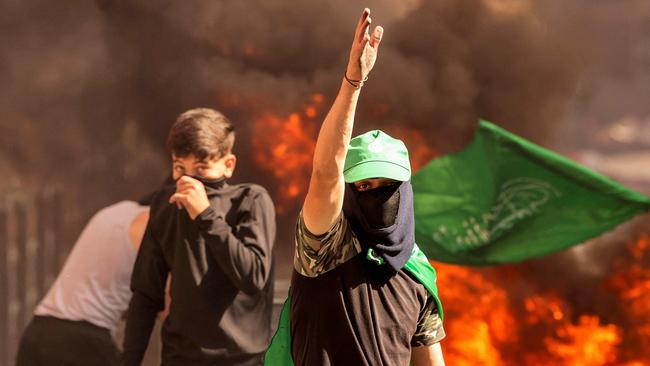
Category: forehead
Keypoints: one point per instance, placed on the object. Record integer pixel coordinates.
(190, 159)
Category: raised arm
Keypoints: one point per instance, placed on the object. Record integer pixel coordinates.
(324, 199)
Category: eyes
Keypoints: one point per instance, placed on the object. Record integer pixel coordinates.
(198, 170)
(368, 184)
(363, 186)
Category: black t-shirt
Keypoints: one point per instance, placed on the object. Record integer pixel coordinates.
(347, 310)
(222, 285)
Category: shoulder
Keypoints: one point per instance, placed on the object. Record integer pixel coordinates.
(317, 254)
(160, 206)
(117, 213)
(116, 207)
(251, 195)
(251, 190)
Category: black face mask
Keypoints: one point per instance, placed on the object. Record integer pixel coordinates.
(211, 183)
(380, 205)
(382, 219)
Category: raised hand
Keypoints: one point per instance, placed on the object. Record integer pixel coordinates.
(364, 48)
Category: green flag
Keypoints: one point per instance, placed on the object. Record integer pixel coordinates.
(504, 199)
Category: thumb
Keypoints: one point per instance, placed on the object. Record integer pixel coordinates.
(377, 35)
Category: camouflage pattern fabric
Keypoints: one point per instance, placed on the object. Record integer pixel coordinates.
(318, 254)
(429, 329)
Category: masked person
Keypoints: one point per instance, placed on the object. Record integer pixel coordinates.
(216, 241)
(362, 293)
(72, 325)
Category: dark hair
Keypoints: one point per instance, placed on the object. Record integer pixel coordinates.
(202, 132)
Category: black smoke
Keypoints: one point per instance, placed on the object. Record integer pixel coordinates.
(89, 89)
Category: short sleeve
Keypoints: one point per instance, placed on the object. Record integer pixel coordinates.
(317, 254)
(429, 329)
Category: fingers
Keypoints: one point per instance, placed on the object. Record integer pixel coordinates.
(365, 14)
(377, 34)
(184, 186)
(178, 199)
(186, 179)
(362, 31)
(185, 183)
(181, 186)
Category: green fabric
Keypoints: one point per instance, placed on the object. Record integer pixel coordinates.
(279, 352)
(504, 199)
(376, 155)
(420, 267)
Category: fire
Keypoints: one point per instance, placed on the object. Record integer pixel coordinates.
(632, 285)
(479, 321)
(284, 145)
(640, 249)
(491, 319)
(538, 308)
(587, 343)
(420, 151)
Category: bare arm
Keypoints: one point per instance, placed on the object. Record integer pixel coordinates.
(324, 199)
(136, 228)
(427, 355)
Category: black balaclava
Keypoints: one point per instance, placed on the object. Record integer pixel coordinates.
(379, 206)
(210, 184)
(383, 220)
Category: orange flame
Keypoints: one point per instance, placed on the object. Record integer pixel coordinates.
(478, 319)
(420, 151)
(586, 344)
(285, 147)
(632, 285)
(485, 327)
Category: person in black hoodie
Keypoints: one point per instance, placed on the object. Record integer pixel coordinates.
(216, 241)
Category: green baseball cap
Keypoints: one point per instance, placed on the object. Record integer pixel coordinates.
(376, 155)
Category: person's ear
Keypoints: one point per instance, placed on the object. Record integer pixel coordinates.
(231, 163)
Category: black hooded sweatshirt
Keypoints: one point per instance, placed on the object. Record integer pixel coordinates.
(221, 279)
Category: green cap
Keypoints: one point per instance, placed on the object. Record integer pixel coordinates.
(376, 155)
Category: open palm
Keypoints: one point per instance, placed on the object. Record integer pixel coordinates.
(364, 48)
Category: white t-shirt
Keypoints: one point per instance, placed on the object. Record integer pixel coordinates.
(94, 284)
